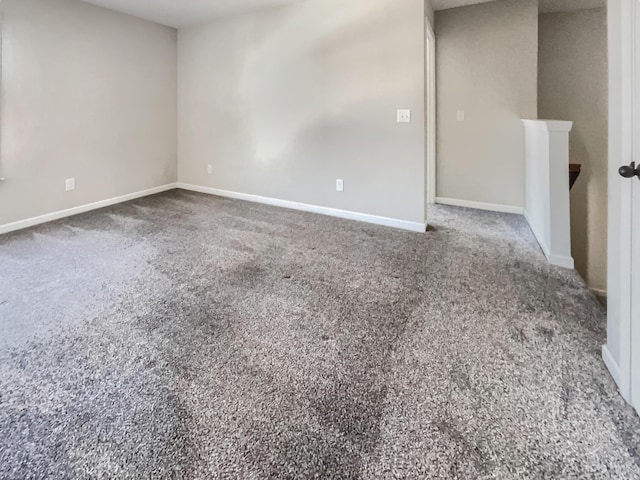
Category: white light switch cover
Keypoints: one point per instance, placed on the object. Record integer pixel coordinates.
(70, 184)
(460, 115)
(404, 116)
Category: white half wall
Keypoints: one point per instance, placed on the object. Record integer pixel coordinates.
(89, 94)
(283, 102)
(547, 206)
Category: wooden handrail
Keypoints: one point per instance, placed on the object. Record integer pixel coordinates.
(574, 173)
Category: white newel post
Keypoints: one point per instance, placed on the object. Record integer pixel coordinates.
(547, 207)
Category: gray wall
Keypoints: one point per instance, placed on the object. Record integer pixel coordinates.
(429, 13)
(573, 86)
(86, 93)
(283, 102)
(487, 59)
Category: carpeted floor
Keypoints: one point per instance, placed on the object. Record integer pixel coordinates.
(191, 337)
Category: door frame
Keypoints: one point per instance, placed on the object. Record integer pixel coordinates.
(624, 114)
(430, 114)
(635, 224)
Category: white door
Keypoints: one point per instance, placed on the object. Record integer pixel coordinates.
(622, 351)
(635, 230)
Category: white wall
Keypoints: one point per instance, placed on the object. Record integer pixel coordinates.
(487, 58)
(86, 93)
(573, 86)
(285, 101)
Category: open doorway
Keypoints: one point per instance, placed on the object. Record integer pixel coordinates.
(430, 123)
(480, 89)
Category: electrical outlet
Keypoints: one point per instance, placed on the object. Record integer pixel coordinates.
(404, 116)
(70, 184)
(209, 169)
(340, 185)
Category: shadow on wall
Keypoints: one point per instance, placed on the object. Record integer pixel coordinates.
(303, 95)
(328, 79)
(580, 203)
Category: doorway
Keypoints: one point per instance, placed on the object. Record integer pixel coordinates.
(430, 121)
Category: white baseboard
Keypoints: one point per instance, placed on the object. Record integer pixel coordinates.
(539, 238)
(614, 370)
(557, 260)
(492, 207)
(49, 217)
(333, 212)
(562, 261)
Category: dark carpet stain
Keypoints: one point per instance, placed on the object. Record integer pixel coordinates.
(546, 333)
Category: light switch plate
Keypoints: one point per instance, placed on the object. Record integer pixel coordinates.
(404, 116)
(340, 185)
(461, 115)
(70, 184)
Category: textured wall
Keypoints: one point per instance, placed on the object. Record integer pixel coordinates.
(573, 86)
(86, 93)
(285, 101)
(487, 59)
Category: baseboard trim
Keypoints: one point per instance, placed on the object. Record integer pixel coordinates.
(539, 239)
(50, 217)
(598, 292)
(614, 370)
(562, 261)
(332, 212)
(491, 207)
(557, 260)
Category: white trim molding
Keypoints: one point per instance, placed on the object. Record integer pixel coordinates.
(332, 212)
(549, 125)
(50, 217)
(430, 115)
(491, 207)
(554, 259)
(600, 294)
(614, 370)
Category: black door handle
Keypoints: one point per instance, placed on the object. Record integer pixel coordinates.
(629, 171)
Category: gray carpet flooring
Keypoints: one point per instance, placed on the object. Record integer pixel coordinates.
(191, 337)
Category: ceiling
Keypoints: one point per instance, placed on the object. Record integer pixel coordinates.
(546, 6)
(444, 4)
(181, 13)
